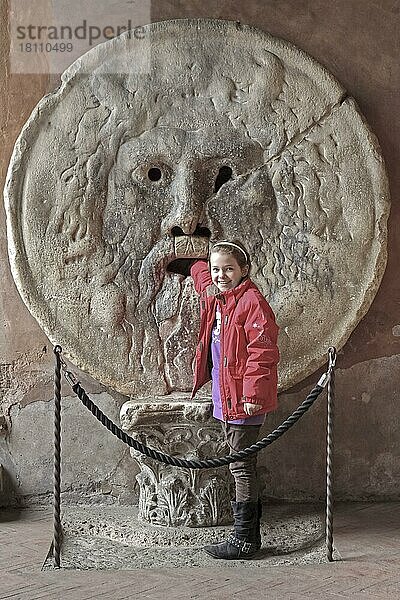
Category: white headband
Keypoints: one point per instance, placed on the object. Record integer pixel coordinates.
(231, 244)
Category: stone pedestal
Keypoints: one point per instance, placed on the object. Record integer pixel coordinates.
(173, 496)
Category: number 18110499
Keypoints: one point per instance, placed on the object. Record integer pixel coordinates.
(46, 47)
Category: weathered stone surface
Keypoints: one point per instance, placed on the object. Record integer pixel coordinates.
(174, 496)
(109, 166)
(95, 465)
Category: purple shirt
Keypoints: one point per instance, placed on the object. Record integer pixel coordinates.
(216, 396)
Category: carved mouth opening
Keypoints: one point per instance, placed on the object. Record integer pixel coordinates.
(181, 266)
(188, 249)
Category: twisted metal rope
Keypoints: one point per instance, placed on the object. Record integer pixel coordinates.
(57, 460)
(196, 463)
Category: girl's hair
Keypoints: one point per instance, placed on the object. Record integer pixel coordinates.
(235, 248)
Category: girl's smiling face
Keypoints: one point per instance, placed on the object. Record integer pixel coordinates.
(226, 273)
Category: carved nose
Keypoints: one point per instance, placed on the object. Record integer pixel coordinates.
(187, 210)
(185, 215)
(184, 220)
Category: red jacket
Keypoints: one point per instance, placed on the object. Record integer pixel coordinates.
(249, 352)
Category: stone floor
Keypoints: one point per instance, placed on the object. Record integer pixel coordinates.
(366, 535)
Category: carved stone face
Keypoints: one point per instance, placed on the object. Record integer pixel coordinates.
(170, 178)
(250, 140)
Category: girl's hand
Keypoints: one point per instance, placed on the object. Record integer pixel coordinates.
(251, 409)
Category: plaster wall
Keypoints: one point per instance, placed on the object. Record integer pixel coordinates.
(357, 41)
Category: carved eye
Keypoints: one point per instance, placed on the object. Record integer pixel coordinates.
(224, 175)
(149, 174)
(154, 174)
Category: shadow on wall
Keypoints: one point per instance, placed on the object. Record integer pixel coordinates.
(7, 491)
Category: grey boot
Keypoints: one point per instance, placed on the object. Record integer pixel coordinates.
(245, 540)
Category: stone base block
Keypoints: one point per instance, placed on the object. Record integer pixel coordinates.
(113, 538)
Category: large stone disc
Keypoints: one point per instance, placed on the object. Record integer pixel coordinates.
(202, 128)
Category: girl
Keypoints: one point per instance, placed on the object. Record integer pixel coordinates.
(238, 351)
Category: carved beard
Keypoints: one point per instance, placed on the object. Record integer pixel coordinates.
(160, 322)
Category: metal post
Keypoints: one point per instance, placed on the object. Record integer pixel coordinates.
(329, 455)
(57, 460)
